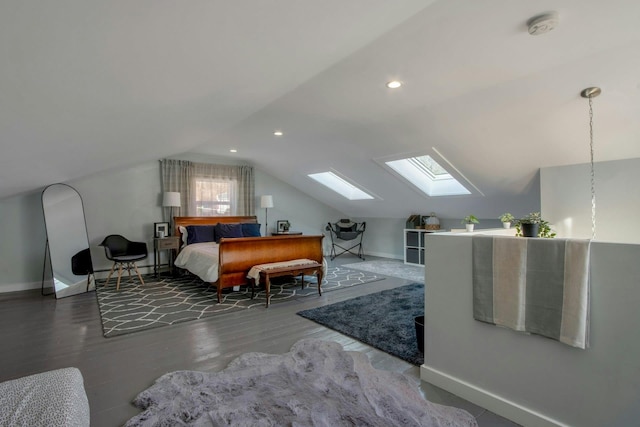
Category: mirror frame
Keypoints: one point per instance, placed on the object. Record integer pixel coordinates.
(65, 284)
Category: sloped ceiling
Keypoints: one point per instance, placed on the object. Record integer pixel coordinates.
(94, 86)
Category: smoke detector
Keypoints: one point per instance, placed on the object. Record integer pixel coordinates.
(542, 24)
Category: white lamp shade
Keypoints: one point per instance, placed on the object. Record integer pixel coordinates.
(171, 199)
(266, 201)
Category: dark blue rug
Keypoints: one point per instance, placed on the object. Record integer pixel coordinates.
(384, 320)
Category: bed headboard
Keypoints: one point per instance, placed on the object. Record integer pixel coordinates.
(183, 221)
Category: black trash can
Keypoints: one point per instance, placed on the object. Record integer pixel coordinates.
(419, 321)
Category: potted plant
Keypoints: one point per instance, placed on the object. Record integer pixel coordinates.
(533, 225)
(506, 219)
(469, 222)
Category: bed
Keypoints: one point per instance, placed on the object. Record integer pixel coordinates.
(227, 263)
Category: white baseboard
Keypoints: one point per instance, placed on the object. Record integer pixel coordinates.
(15, 287)
(382, 255)
(488, 400)
(143, 269)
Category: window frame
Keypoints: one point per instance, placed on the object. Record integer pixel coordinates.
(231, 203)
(338, 177)
(439, 186)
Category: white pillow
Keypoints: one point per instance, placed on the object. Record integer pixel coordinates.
(185, 233)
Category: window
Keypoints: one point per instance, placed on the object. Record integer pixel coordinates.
(213, 196)
(429, 176)
(209, 189)
(340, 186)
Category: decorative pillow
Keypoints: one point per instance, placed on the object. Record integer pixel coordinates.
(200, 234)
(251, 230)
(228, 230)
(185, 235)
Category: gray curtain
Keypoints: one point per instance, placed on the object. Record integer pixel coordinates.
(246, 191)
(176, 176)
(180, 176)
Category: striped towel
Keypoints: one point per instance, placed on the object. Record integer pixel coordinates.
(540, 286)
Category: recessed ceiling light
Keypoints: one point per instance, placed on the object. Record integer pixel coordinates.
(394, 84)
(233, 150)
(278, 133)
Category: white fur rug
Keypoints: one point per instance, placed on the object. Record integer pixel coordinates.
(316, 384)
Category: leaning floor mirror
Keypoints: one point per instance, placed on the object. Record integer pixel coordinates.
(67, 255)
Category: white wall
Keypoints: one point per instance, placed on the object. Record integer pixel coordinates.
(119, 202)
(305, 213)
(566, 200)
(23, 242)
(532, 380)
(383, 237)
(127, 202)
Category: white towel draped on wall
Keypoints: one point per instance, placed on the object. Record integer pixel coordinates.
(540, 286)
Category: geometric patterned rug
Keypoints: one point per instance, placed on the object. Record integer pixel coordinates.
(165, 301)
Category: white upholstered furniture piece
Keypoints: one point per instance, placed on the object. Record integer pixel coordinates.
(52, 398)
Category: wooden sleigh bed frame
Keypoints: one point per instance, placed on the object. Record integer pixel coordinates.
(238, 255)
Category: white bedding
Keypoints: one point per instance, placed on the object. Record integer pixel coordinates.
(201, 259)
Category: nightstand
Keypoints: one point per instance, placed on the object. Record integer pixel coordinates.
(169, 244)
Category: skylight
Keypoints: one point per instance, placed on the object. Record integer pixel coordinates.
(428, 175)
(340, 186)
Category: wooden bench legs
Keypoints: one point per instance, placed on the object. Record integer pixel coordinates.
(300, 270)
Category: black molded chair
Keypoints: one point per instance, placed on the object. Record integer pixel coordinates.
(347, 231)
(123, 252)
(81, 264)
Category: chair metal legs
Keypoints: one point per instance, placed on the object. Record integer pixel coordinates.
(128, 266)
(359, 254)
(346, 250)
(354, 232)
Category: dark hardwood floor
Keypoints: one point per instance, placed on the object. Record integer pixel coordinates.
(42, 333)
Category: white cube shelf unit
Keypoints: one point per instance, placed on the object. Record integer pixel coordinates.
(414, 248)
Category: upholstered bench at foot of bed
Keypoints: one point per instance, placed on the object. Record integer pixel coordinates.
(53, 398)
(296, 267)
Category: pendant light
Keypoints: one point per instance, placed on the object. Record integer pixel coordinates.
(590, 93)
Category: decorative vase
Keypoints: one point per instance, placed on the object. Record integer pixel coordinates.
(506, 224)
(469, 227)
(530, 230)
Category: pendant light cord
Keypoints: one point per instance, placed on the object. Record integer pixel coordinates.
(593, 175)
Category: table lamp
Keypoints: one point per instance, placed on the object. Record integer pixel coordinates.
(266, 202)
(171, 199)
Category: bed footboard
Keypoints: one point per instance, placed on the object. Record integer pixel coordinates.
(238, 255)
